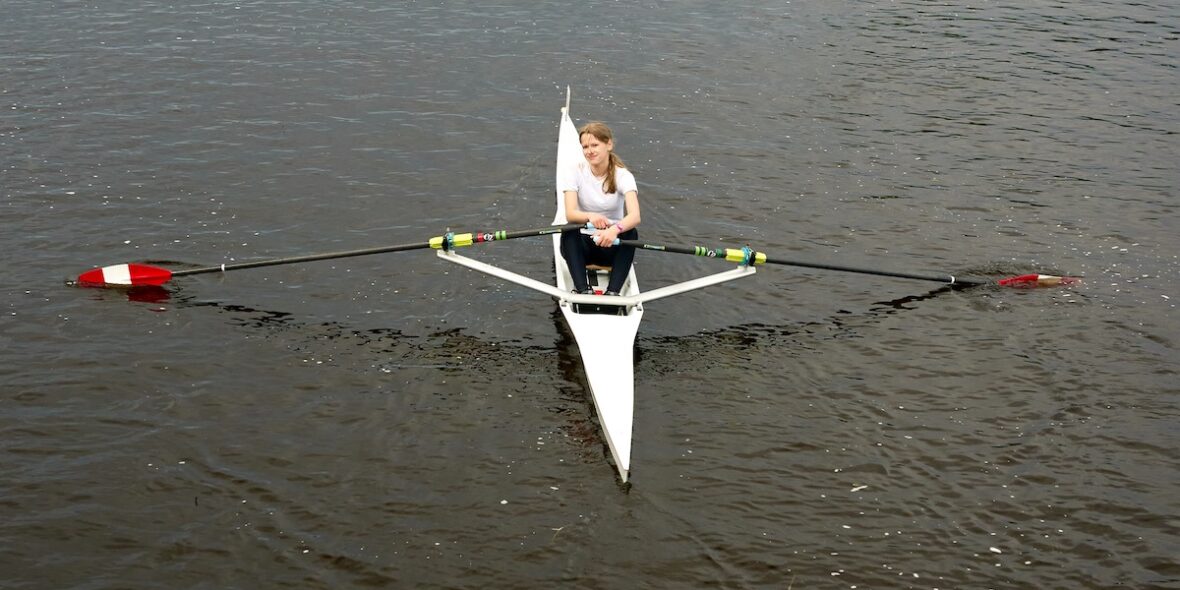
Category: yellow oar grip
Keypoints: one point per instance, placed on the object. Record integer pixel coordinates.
(456, 240)
(739, 256)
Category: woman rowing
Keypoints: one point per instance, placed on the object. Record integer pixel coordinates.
(601, 192)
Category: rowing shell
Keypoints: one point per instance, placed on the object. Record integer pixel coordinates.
(603, 327)
(605, 334)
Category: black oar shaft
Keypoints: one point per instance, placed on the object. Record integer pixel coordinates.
(298, 259)
(949, 279)
(433, 243)
(735, 255)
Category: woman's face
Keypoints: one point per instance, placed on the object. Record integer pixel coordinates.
(595, 150)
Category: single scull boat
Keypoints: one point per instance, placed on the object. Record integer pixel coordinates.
(603, 327)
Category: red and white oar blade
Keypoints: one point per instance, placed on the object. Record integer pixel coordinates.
(1037, 280)
(124, 275)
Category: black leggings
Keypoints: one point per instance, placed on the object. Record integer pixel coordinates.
(579, 249)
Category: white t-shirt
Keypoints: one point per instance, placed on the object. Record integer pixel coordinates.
(591, 197)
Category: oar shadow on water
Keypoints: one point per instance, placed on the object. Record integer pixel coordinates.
(470, 364)
(842, 324)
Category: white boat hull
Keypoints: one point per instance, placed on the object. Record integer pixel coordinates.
(606, 342)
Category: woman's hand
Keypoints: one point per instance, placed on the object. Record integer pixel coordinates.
(598, 220)
(605, 238)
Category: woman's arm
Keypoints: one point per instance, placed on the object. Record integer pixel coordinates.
(575, 215)
(632, 218)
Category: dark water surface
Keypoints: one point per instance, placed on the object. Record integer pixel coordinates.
(393, 421)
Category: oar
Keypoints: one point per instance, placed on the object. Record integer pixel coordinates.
(124, 275)
(747, 256)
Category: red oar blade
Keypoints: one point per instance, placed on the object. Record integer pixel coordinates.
(1037, 280)
(124, 275)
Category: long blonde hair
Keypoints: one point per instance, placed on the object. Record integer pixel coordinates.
(603, 133)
